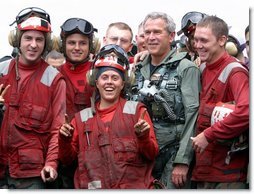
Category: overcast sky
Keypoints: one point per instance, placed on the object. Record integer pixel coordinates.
(102, 12)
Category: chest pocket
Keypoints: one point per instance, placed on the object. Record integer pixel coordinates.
(33, 117)
(125, 150)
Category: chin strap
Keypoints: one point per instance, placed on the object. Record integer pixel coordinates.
(16, 68)
(92, 98)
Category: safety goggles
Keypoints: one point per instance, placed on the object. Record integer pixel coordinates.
(77, 24)
(190, 18)
(29, 12)
(117, 50)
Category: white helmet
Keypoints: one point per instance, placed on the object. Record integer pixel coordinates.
(220, 111)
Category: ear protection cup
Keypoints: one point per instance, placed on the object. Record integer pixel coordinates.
(91, 76)
(231, 48)
(48, 43)
(13, 38)
(129, 78)
(56, 43)
(96, 45)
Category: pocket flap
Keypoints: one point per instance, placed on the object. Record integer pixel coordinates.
(34, 156)
(125, 145)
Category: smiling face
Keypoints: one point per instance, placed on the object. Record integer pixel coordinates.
(209, 47)
(77, 47)
(157, 39)
(32, 44)
(109, 85)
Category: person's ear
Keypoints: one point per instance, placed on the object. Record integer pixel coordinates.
(222, 40)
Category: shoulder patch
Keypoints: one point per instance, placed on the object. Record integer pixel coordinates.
(4, 67)
(86, 114)
(130, 107)
(227, 70)
(49, 75)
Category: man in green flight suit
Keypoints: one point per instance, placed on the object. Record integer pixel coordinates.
(169, 84)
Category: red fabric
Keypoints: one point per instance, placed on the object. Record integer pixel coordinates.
(78, 91)
(77, 74)
(34, 113)
(210, 165)
(131, 60)
(114, 156)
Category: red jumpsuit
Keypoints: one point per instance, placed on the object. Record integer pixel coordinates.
(110, 154)
(226, 82)
(78, 91)
(35, 107)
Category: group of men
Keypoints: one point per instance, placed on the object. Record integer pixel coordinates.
(104, 123)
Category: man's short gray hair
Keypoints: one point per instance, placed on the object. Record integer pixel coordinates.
(170, 24)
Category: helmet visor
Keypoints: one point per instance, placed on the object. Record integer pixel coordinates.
(190, 18)
(31, 11)
(193, 17)
(77, 24)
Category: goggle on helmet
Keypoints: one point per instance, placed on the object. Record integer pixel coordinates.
(30, 12)
(79, 25)
(35, 23)
(189, 19)
(112, 56)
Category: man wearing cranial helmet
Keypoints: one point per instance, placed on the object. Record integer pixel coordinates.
(188, 26)
(34, 106)
(113, 139)
(76, 44)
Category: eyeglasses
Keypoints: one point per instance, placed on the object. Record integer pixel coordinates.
(113, 48)
(31, 11)
(122, 40)
(73, 24)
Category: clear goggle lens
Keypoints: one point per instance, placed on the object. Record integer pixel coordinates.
(121, 55)
(31, 11)
(191, 17)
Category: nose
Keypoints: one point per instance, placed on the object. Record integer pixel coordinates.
(33, 43)
(77, 46)
(197, 44)
(109, 80)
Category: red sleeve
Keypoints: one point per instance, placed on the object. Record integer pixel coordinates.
(238, 121)
(68, 147)
(148, 145)
(58, 109)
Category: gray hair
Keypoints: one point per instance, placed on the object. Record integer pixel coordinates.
(170, 24)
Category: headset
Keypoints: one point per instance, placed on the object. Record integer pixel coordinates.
(58, 44)
(15, 36)
(233, 46)
(102, 61)
(32, 23)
